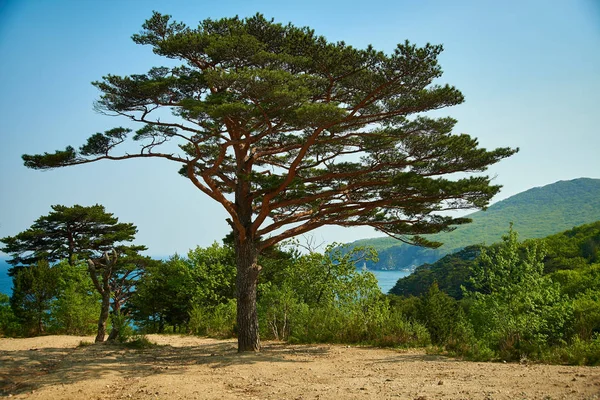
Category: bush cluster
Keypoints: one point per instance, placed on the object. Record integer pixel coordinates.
(519, 302)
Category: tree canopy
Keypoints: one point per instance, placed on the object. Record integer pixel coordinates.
(67, 232)
(284, 110)
(291, 132)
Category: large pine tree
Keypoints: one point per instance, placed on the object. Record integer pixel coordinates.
(290, 132)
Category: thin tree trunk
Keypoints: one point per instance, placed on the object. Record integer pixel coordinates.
(104, 289)
(103, 316)
(40, 321)
(246, 284)
(116, 325)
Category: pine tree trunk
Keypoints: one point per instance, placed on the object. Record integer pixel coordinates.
(116, 325)
(103, 317)
(40, 322)
(246, 284)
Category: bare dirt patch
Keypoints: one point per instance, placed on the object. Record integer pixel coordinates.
(183, 367)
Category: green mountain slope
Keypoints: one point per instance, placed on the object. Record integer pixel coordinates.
(535, 213)
(574, 249)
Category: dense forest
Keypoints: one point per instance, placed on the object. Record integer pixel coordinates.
(533, 300)
(535, 213)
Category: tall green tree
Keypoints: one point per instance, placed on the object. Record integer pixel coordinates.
(80, 233)
(290, 132)
(130, 270)
(174, 280)
(114, 276)
(34, 290)
(203, 280)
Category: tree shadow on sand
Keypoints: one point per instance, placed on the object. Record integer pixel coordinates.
(29, 370)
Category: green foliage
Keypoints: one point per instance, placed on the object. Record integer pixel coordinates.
(164, 296)
(320, 279)
(120, 324)
(536, 213)
(578, 280)
(9, 325)
(578, 352)
(57, 299)
(397, 330)
(444, 319)
(67, 233)
(515, 309)
(139, 342)
(77, 306)
(34, 290)
(323, 298)
(538, 300)
(214, 321)
(279, 309)
(568, 257)
(573, 249)
(200, 284)
(586, 310)
(213, 273)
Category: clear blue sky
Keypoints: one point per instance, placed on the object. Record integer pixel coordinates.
(530, 72)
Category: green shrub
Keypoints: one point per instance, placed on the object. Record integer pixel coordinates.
(586, 309)
(218, 321)
(578, 352)
(77, 306)
(9, 325)
(401, 332)
(124, 329)
(279, 311)
(139, 342)
(516, 310)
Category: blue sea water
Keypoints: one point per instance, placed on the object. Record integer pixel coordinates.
(5, 280)
(386, 279)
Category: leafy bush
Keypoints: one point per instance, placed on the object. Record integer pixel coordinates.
(586, 309)
(35, 288)
(77, 306)
(166, 297)
(578, 352)
(516, 310)
(402, 332)
(9, 325)
(139, 342)
(323, 298)
(279, 310)
(121, 324)
(218, 321)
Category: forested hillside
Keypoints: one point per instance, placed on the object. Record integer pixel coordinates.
(535, 213)
(571, 250)
(539, 298)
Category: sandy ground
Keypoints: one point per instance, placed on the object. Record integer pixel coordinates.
(183, 367)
